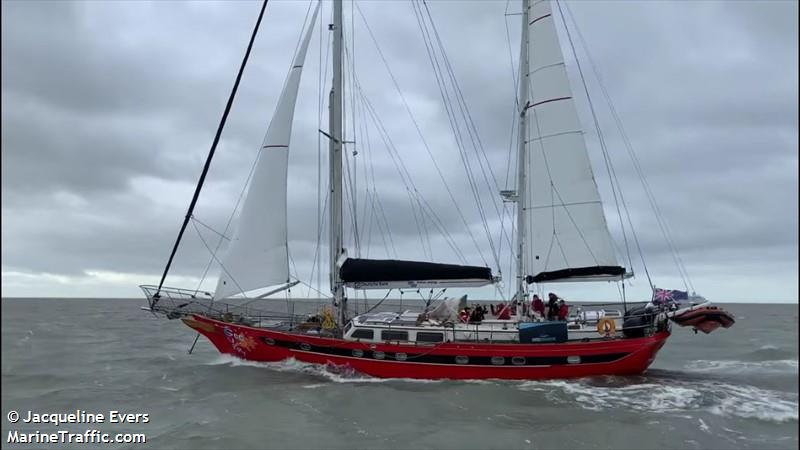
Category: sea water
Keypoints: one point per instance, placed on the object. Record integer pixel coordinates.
(734, 388)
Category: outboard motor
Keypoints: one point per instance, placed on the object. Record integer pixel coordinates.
(637, 320)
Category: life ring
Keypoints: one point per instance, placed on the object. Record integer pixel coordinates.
(607, 327)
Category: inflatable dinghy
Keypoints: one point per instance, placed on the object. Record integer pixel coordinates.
(705, 318)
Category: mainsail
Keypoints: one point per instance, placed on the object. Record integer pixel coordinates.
(567, 234)
(258, 254)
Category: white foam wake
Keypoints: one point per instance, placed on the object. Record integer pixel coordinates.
(333, 373)
(674, 396)
(728, 366)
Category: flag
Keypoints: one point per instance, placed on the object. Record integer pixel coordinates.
(662, 295)
(667, 295)
(680, 295)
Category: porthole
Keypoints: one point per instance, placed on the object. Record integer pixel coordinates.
(378, 355)
(498, 360)
(269, 341)
(462, 360)
(518, 360)
(358, 353)
(573, 359)
(305, 347)
(400, 356)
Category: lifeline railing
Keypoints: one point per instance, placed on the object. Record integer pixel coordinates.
(176, 303)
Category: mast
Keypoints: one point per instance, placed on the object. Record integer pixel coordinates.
(521, 144)
(335, 178)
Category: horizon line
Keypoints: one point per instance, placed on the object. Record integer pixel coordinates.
(772, 302)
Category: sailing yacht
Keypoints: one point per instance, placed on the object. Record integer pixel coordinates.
(561, 236)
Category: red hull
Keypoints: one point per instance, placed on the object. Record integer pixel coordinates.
(629, 356)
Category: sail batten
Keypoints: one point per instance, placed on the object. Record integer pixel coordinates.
(568, 237)
(258, 255)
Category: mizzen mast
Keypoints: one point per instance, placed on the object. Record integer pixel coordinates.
(522, 103)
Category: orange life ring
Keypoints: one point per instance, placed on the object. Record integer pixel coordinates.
(607, 327)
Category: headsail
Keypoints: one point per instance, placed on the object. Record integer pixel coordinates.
(258, 254)
(568, 238)
(390, 273)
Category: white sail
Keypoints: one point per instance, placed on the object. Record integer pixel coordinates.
(258, 254)
(568, 238)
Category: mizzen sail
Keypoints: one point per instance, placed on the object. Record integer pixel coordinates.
(258, 254)
(568, 238)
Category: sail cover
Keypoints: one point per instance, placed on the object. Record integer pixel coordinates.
(390, 273)
(568, 238)
(258, 254)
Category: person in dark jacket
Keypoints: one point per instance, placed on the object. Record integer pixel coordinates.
(552, 306)
(477, 314)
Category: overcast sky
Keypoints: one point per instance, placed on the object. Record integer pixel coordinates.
(109, 109)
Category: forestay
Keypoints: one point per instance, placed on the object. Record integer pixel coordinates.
(568, 238)
(258, 253)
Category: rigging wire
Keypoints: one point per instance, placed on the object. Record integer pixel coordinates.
(207, 165)
(634, 158)
(419, 132)
(472, 131)
(453, 119)
(200, 235)
(603, 147)
(405, 175)
(249, 175)
(314, 265)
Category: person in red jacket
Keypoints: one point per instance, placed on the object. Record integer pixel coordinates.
(537, 305)
(563, 310)
(503, 312)
(465, 314)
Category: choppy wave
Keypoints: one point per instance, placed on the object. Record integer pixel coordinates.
(331, 372)
(672, 396)
(663, 394)
(728, 366)
(769, 352)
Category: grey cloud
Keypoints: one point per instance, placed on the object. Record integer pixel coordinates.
(109, 110)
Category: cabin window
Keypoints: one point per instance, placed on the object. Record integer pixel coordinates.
(378, 355)
(518, 360)
(423, 336)
(363, 333)
(394, 335)
(498, 360)
(304, 346)
(462, 360)
(400, 356)
(347, 327)
(358, 353)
